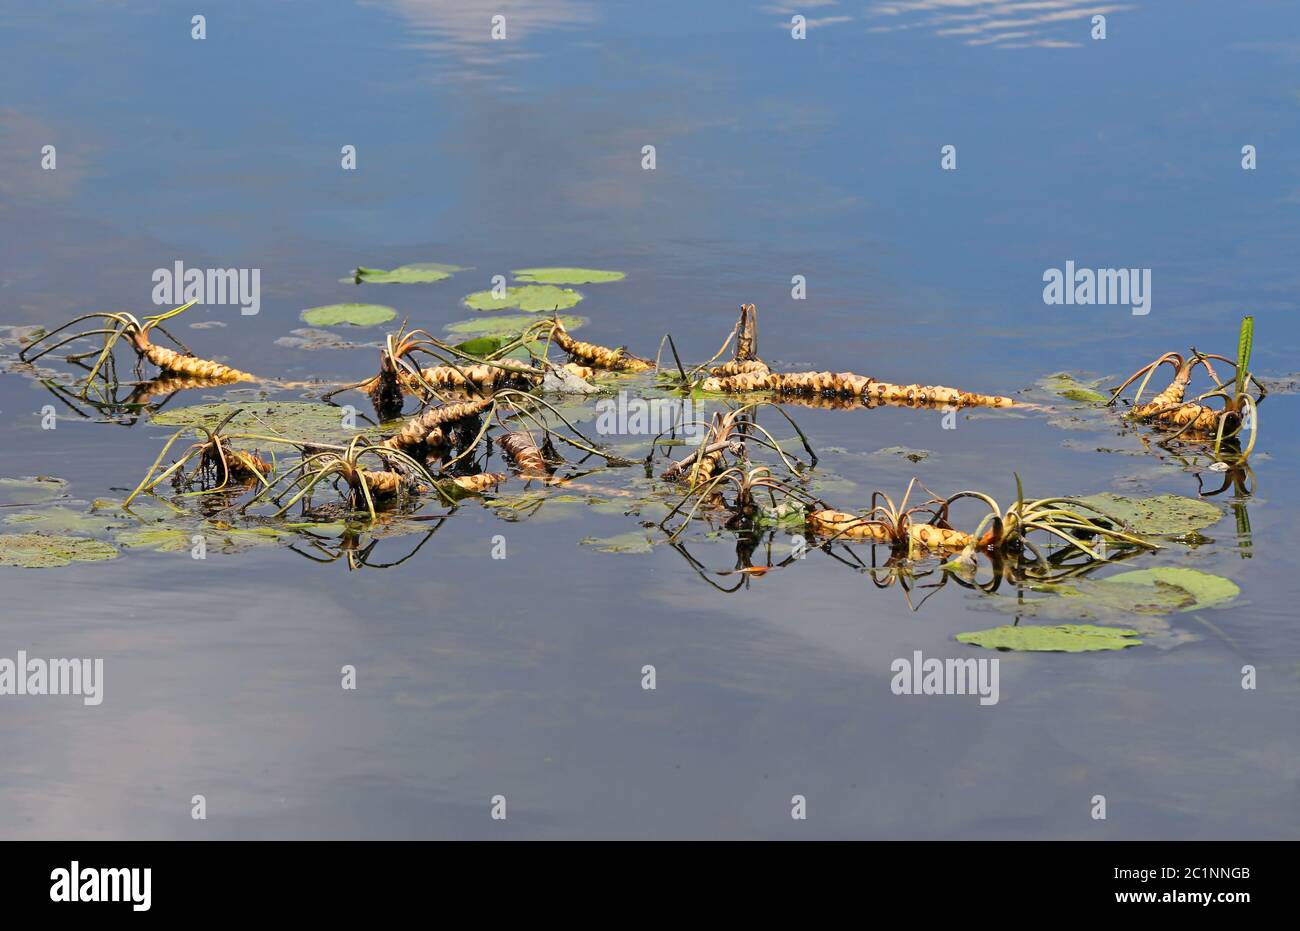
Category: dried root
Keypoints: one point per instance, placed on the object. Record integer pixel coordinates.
(373, 476)
(437, 427)
(1067, 520)
(477, 484)
(848, 384)
(137, 334)
(1169, 410)
(527, 455)
(183, 364)
(220, 465)
(600, 357)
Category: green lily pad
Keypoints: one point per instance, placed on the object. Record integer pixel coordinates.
(1062, 638)
(566, 275)
(354, 314)
(416, 273)
(482, 345)
(1067, 386)
(1160, 515)
(297, 420)
(632, 542)
(531, 298)
(30, 490)
(59, 519)
(46, 551)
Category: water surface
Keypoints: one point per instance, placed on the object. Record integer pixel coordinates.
(775, 157)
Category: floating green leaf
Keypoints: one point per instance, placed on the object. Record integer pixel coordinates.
(46, 551)
(482, 345)
(566, 275)
(1160, 515)
(354, 314)
(531, 298)
(1062, 638)
(416, 273)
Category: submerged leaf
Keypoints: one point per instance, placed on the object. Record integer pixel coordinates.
(911, 455)
(566, 275)
(58, 519)
(1160, 515)
(1147, 592)
(1067, 386)
(47, 551)
(354, 314)
(31, 489)
(632, 542)
(297, 420)
(532, 298)
(1062, 638)
(222, 539)
(1206, 590)
(311, 338)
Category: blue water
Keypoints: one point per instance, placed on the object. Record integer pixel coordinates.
(774, 158)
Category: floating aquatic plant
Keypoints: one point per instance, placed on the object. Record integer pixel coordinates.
(1062, 638)
(47, 551)
(532, 298)
(566, 275)
(360, 315)
(415, 273)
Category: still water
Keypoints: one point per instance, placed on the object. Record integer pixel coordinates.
(774, 157)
